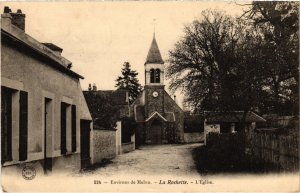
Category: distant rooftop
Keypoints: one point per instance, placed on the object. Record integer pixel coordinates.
(232, 116)
(118, 97)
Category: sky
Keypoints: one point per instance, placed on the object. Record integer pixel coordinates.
(98, 37)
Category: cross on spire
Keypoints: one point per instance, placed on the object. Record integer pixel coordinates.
(154, 20)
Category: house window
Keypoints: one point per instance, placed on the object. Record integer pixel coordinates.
(63, 128)
(73, 128)
(6, 124)
(23, 126)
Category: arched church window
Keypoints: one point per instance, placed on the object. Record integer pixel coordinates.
(157, 76)
(152, 72)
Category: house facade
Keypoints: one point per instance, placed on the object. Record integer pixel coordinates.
(45, 120)
(159, 118)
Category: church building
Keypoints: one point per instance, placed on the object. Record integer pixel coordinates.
(159, 118)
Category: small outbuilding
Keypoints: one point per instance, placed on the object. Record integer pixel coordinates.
(230, 121)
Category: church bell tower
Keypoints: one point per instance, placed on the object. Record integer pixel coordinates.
(154, 80)
(159, 118)
(154, 66)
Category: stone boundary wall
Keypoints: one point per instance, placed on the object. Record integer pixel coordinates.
(127, 147)
(104, 145)
(194, 137)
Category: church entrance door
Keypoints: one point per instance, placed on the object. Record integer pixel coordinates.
(156, 132)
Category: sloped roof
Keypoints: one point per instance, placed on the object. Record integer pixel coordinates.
(53, 47)
(21, 40)
(117, 97)
(154, 55)
(232, 116)
(166, 94)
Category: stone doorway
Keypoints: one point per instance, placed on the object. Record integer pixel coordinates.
(155, 133)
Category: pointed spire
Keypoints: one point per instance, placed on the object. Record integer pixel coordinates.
(154, 55)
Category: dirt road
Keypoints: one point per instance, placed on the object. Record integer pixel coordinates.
(175, 160)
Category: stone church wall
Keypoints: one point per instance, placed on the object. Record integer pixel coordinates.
(154, 104)
(171, 106)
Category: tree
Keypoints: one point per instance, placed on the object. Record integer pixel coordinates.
(279, 25)
(212, 63)
(103, 111)
(128, 128)
(128, 80)
(225, 63)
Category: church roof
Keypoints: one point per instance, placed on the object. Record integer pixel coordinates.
(154, 55)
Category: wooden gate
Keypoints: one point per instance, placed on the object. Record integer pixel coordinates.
(85, 143)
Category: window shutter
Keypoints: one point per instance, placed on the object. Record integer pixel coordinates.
(73, 128)
(6, 125)
(23, 126)
(63, 127)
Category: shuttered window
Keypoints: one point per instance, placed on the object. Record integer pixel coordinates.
(23, 126)
(6, 124)
(73, 128)
(63, 128)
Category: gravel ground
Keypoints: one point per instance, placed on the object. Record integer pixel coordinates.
(171, 159)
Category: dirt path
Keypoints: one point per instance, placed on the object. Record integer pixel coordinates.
(175, 160)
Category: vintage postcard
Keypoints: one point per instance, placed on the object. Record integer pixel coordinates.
(150, 96)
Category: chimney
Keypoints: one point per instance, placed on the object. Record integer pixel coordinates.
(94, 87)
(90, 87)
(7, 9)
(6, 18)
(18, 19)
